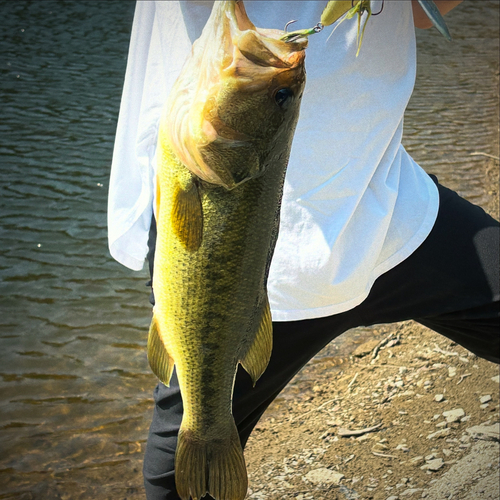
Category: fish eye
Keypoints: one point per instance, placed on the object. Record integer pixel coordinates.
(283, 97)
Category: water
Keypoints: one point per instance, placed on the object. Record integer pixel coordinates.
(75, 388)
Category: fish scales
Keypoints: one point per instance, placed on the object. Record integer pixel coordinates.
(224, 143)
(211, 292)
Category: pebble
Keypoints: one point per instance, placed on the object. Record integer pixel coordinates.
(324, 476)
(485, 399)
(392, 498)
(496, 379)
(433, 465)
(410, 491)
(402, 447)
(453, 415)
(439, 434)
(452, 371)
(439, 398)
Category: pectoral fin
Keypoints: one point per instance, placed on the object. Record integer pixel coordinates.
(187, 216)
(257, 358)
(160, 361)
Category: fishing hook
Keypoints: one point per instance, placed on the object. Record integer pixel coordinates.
(373, 14)
(381, 9)
(288, 24)
(295, 35)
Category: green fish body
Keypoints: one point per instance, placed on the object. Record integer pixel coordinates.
(224, 143)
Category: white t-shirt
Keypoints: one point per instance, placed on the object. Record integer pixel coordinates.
(355, 204)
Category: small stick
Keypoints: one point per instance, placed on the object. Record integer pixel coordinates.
(381, 344)
(446, 353)
(314, 409)
(359, 432)
(352, 381)
(383, 455)
(463, 376)
(479, 153)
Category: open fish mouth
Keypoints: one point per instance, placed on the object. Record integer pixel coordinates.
(232, 56)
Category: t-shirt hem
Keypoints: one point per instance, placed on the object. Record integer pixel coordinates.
(126, 259)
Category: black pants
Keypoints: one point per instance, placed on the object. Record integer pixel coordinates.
(449, 284)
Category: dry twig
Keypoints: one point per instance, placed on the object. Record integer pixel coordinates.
(359, 432)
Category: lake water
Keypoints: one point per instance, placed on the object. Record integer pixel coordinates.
(75, 387)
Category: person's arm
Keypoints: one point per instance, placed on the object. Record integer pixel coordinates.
(420, 17)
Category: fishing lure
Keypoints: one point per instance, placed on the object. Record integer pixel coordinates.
(347, 9)
(293, 36)
(334, 10)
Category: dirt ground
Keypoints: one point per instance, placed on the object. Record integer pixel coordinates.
(409, 415)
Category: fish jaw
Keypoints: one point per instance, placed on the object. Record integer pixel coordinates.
(235, 71)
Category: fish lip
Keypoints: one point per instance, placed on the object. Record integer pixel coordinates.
(285, 54)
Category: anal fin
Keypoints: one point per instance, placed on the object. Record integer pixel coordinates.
(159, 360)
(187, 216)
(257, 357)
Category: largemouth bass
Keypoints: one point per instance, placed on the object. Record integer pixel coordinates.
(224, 143)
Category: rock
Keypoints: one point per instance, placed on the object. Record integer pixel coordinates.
(365, 348)
(453, 415)
(456, 483)
(402, 447)
(485, 432)
(452, 371)
(324, 476)
(410, 491)
(348, 493)
(392, 498)
(439, 434)
(417, 460)
(485, 399)
(433, 465)
(439, 398)
(496, 379)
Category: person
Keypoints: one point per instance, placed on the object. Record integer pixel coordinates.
(366, 236)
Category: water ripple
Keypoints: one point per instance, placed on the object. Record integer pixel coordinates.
(75, 385)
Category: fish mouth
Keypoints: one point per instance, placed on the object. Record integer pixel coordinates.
(257, 48)
(230, 49)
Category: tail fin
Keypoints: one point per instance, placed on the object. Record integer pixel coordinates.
(215, 467)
